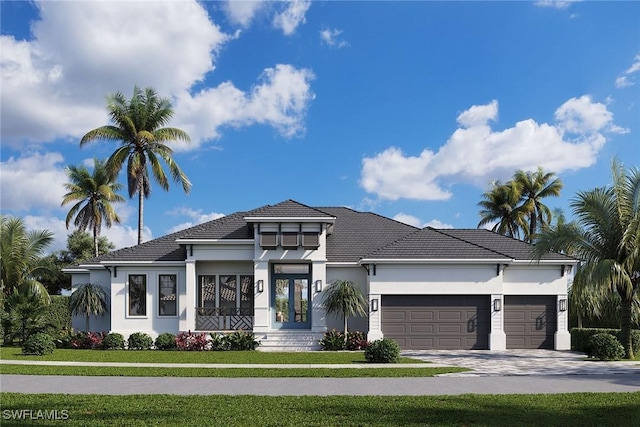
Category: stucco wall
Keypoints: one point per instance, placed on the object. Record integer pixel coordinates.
(359, 275)
(96, 323)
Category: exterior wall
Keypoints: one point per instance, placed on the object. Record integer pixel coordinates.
(356, 274)
(152, 324)
(96, 323)
(472, 279)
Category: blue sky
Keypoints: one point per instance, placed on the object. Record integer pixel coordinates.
(407, 109)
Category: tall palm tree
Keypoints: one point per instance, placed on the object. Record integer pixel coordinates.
(606, 237)
(22, 257)
(93, 194)
(500, 204)
(89, 299)
(345, 298)
(138, 125)
(533, 187)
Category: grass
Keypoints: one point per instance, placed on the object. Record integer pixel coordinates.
(226, 372)
(576, 409)
(158, 356)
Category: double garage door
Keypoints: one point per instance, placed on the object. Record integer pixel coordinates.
(462, 322)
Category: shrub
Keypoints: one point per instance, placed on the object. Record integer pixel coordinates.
(241, 340)
(580, 337)
(38, 344)
(191, 341)
(605, 347)
(382, 351)
(357, 341)
(166, 341)
(57, 315)
(332, 341)
(139, 341)
(219, 342)
(113, 341)
(87, 340)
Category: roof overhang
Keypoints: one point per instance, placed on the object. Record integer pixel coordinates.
(326, 220)
(215, 241)
(435, 261)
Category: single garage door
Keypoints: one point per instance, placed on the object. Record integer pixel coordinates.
(530, 321)
(442, 322)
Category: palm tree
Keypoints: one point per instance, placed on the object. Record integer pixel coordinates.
(93, 194)
(138, 127)
(606, 237)
(345, 298)
(22, 257)
(500, 204)
(533, 187)
(89, 300)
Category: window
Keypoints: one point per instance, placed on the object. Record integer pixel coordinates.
(137, 295)
(310, 239)
(291, 268)
(268, 239)
(289, 239)
(168, 294)
(207, 291)
(227, 293)
(246, 292)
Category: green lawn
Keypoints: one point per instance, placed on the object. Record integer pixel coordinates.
(157, 356)
(226, 372)
(579, 409)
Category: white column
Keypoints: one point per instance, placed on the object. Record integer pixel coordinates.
(261, 318)
(497, 336)
(562, 335)
(375, 324)
(318, 315)
(187, 298)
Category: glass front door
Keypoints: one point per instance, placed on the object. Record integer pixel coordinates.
(291, 302)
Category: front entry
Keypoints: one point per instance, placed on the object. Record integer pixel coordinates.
(290, 296)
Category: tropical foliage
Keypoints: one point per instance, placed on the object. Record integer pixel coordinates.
(515, 208)
(606, 237)
(89, 299)
(346, 299)
(92, 194)
(138, 125)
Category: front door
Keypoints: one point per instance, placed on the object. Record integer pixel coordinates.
(290, 298)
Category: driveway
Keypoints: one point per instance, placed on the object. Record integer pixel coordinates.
(522, 362)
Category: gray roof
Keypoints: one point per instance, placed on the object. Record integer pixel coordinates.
(477, 244)
(356, 235)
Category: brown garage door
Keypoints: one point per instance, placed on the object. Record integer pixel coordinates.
(530, 321)
(446, 322)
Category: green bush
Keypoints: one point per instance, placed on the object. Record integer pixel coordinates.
(139, 341)
(38, 344)
(580, 337)
(332, 341)
(57, 316)
(382, 351)
(166, 341)
(605, 347)
(241, 340)
(113, 341)
(219, 342)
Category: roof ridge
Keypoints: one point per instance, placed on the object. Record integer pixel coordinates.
(471, 243)
(398, 240)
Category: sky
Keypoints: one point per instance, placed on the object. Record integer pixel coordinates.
(407, 109)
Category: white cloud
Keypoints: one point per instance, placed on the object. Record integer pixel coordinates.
(56, 82)
(292, 16)
(624, 80)
(477, 154)
(556, 4)
(196, 215)
(32, 181)
(242, 12)
(332, 38)
(417, 222)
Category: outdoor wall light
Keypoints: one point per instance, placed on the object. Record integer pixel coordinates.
(562, 305)
(374, 305)
(497, 304)
(260, 284)
(318, 285)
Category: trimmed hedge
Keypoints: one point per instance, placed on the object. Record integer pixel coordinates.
(139, 341)
(580, 338)
(113, 341)
(57, 316)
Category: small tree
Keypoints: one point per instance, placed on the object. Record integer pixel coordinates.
(89, 300)
(345, 298)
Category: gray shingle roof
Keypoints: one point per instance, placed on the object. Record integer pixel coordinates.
(430, 243)
(356, 235)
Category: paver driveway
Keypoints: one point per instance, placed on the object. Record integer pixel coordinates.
(522, 362)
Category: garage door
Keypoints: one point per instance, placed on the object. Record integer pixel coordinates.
(530, 321)
(442, 322)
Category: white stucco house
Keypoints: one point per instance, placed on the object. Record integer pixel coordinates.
(266, 271)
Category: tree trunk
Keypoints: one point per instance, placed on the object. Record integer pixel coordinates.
(625, 327)
(95, 239)
(140, 211)
(86, 318)
(345, 332)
